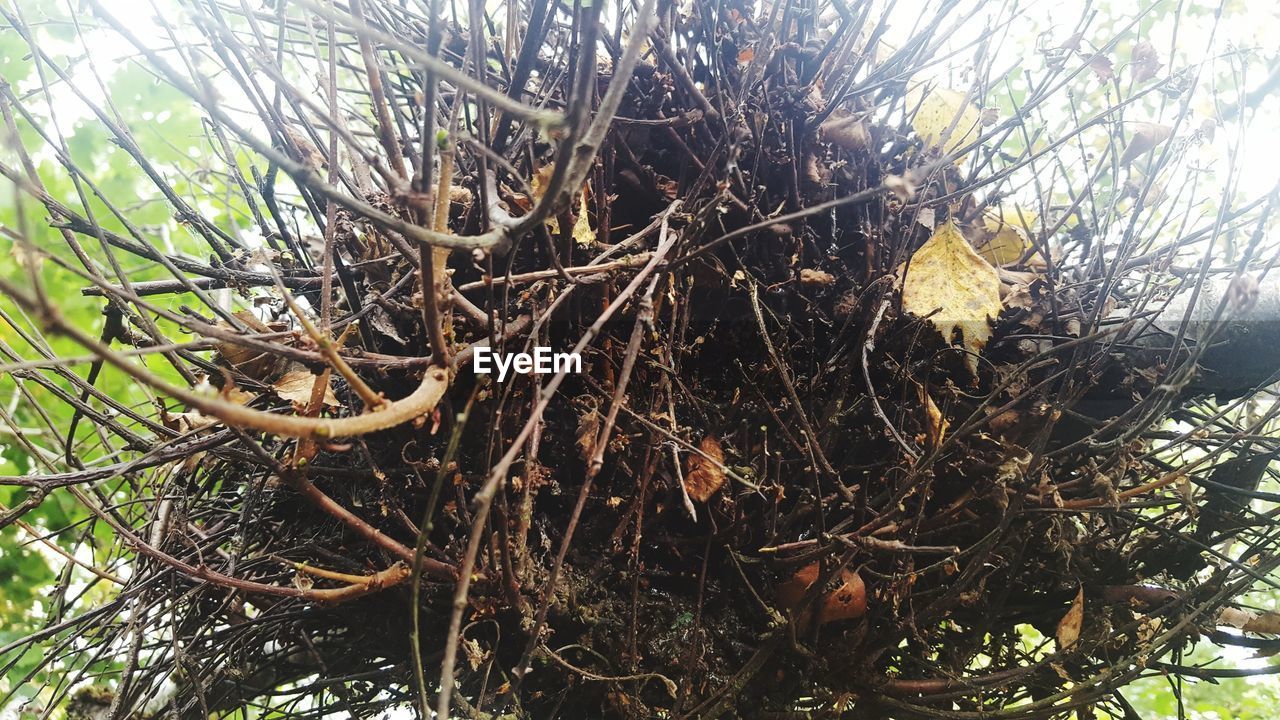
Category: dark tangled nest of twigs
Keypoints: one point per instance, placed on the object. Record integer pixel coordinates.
(770, 491)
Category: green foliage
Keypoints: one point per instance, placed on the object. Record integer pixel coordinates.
(1228, 699)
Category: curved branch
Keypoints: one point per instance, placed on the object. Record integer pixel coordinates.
(418, 403)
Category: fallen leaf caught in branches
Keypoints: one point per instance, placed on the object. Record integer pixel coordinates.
(1002, 238)
(1146, 136)
(845, 601)
(1069, 626)
(948, 281)
(946, 119)
(702, 477)
(296, 386)
(1144, 61)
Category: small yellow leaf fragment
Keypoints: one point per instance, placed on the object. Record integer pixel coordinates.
(948, 276)
(944, 110)
(935, 423)
(583, 235)
(1004, 239)
(1069, 626)
(538, 183)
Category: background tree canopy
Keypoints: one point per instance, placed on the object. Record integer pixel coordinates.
(929, 359)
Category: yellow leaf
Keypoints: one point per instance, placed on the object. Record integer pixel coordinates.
(583, 235)
(943, 109)
(538, 183)
(582, 232)
(936, 425)
(1069, 626)
(1005, 239)
(947, 275)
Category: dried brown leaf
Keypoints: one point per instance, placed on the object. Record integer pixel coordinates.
(1069, 626)
(296, 386)
(459, 195)
(1102, 66)
(1146, 136)
(702, 477)
(1251, 621)
(900, 185)
(185, 422)
(845, 130)
(588, 431)
(1144, 61)
(848, 600)
(307, 152)
(251, 362)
